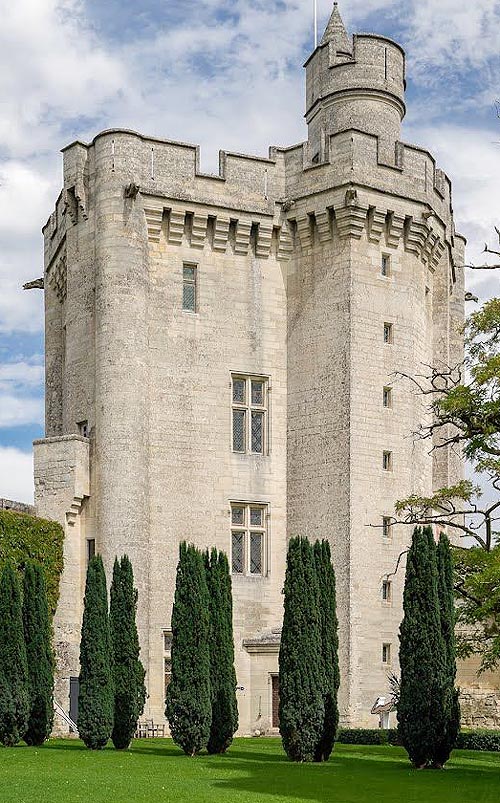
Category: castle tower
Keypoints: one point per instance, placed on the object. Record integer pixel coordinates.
(220, 359)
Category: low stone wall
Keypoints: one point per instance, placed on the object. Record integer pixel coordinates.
(17, 507)
(480, 708)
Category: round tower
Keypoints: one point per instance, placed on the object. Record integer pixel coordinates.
(354, 82)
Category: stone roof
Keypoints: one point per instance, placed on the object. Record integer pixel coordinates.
(336, 32)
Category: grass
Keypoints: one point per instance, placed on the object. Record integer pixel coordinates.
(253, 770)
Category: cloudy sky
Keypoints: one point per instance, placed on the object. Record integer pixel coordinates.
(224, 74)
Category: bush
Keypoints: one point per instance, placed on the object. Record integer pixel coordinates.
(24, 538)
(40, 657)
(14, 693)
(479, 740)
(467, 740)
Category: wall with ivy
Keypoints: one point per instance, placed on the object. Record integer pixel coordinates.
(24, 537)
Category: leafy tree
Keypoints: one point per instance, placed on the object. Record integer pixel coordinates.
(128, 671)
(464, 405)
(222, 674)
(188, 704)
(447, 616)
(301, 708)
(14, 694)
(40, 656)
(329, 648)
(422, 717)
(96, 694)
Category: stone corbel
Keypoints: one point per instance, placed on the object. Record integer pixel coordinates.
(351, 219)
(264, 240)
(323, 224)
(221, 233)
(154, 219)
(285, 242)
(395, 228)
(176, 221)
(199, 230)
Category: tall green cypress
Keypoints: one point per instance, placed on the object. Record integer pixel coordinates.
(301, 707)
(329, 648)
(40, 656)
(96, 694)
(447, 615)
(421, 655)
(222, 674)
(14, 693)
(128, 671)
(188, 704)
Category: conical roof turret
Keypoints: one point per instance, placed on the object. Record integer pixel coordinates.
(336, 32)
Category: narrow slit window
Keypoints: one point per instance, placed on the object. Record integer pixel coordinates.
(189, 280)
(388, 333)
(237, 552)
(387, 591)
(387, 397)
(91, 551)
(255, 553)
(387, 527)
(385, 267)
(167, 674)
(386, 653)
(387, 461)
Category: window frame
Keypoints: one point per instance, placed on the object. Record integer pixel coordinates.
(387, 461)
(387, 591)
(191, 283)
(387, 396)
(385, 266)
(247, 529)
(388, 333)
(248, 408)
(90, 549)
(387, 653)
(387, 525)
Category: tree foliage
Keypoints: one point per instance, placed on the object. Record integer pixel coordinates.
(301, 707)
(14, 694)
(40, 656)
(329, 648)
(96, 692)
(24, 538)
(224, 722)
(425, 712)
(189, 704)
(128, 671)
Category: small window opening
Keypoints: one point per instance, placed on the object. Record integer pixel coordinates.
(387, 461)
(90, 549)
(386, 653)
(388, 333)
(83, 428)
(189, 289)
(387, 591)
(385, 267)
(387, 527)
(387, 397)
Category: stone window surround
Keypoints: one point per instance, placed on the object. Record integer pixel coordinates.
(248, 407)
(246, 528)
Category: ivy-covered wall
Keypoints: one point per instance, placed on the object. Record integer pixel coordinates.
(24, 537)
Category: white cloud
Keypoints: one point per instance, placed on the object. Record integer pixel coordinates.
(18, 411)
(20, 375)
(16, 474)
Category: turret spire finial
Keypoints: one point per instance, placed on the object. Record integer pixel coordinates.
(337, 32)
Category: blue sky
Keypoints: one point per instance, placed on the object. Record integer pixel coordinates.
(224, 74)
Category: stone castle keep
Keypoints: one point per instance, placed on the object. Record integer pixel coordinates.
(220, 358)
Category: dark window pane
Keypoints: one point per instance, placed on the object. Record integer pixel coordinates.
(189, 273)
(238, 515)
(255, 553)
(189, 296)
(257, 432)
(239, 386)
(258, 393)
(237, 550)
(239, 444)
(256, 516)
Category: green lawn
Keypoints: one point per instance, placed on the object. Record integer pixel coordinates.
(253, 770)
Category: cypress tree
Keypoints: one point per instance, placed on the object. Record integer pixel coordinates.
(128, 672)
(301, 708)
(96, 694)
(422, 657)
(329, 648)
(188, 704)
(447, 615)
(14, 694)
(40, 656)
(222, 674)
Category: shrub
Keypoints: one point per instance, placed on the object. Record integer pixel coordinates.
(39, 653)
(24, 538)
(188, 704)
(222, 675)
(96, 694)
(467, 740)
(14, 695)
(479, 740)
(128, 672)
(301, 707)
